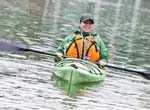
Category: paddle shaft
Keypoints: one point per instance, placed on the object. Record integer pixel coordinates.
(126, 69)
(36, 51)
(13, 47)
(144, 73)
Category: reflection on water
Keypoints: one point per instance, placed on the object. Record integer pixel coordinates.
(73, 90)
(26, 79)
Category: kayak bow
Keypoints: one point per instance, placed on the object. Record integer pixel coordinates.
(77, 71)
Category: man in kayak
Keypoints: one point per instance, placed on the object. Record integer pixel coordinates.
(84, 44)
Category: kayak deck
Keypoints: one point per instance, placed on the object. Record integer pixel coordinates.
(78, 71)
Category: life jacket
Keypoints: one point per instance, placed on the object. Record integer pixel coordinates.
(86, 50)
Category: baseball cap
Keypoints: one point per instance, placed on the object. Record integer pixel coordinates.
(85, 17)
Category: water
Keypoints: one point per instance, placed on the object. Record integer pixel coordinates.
(26, 79)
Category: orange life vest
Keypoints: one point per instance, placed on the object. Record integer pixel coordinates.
(87, 50)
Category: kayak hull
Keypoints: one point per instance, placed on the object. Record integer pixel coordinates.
(77, 71)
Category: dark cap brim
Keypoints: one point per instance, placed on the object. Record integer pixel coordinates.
(88, 19)
(86, 16)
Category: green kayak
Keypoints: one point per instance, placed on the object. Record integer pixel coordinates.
(77, 71)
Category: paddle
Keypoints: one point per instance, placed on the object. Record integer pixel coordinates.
(144, 73)
(6, 45)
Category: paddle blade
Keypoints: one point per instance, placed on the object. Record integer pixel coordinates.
(6, 45)
(146, 74)
(9, 46)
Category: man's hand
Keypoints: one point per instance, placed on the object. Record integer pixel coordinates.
(102, 64)
(59, 56)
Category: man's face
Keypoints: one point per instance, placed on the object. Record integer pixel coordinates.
(86, 26)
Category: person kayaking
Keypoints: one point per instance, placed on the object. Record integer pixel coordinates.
(84, 44)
